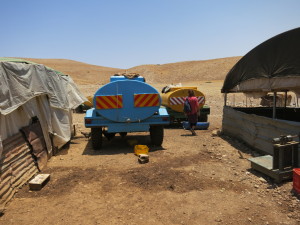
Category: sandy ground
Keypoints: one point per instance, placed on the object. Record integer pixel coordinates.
(204, 179)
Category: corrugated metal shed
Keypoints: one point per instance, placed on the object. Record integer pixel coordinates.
(17, 166)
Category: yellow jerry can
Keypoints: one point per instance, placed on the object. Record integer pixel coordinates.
(141, 149)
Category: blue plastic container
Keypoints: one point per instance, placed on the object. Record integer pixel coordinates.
(199, 126)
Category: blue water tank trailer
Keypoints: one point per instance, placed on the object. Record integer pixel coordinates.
(126, 104)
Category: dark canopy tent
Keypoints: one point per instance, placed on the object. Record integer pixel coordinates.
(273, 65)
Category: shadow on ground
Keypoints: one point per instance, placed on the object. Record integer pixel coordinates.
(120, 145)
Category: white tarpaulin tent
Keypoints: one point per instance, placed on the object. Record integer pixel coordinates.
(36, 106)
(33, 90)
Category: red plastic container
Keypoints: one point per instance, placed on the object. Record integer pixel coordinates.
(296, 180)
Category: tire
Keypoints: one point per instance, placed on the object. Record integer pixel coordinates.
(157, 135)
(123, 134)
(202, 118)
(109, 136)
(96, 136)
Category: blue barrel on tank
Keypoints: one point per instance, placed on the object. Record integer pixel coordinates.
(126, 100)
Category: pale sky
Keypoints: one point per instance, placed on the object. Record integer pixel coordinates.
(127, 33)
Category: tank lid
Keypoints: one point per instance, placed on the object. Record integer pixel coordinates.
(127, 76)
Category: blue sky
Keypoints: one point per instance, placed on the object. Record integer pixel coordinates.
(127, 33)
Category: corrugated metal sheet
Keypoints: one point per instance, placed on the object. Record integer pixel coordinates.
(17, 166)
(256, 131)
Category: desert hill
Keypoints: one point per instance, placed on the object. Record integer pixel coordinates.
(215, 69)
(82, 73)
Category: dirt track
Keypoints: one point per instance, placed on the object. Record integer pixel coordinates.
(204, 179)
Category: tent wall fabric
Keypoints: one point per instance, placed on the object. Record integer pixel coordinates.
(39, 107)
(273, 65)
(256, 131)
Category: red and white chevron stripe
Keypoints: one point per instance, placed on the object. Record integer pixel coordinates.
(201, 99)
(180, 100)
(177, 100)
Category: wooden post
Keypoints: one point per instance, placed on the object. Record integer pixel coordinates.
(225, 99)
(274, 105)
(285, 99)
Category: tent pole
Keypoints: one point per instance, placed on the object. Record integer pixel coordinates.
(274, 105)
(225, 99)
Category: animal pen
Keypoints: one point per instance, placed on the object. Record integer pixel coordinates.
(269, 77)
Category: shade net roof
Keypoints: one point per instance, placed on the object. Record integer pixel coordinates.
(274, 65)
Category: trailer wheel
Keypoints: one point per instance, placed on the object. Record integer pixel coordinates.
(96, 136)
(157, 135)
(109, 136)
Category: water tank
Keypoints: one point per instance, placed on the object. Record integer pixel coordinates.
(174, 98)
(126, 100)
